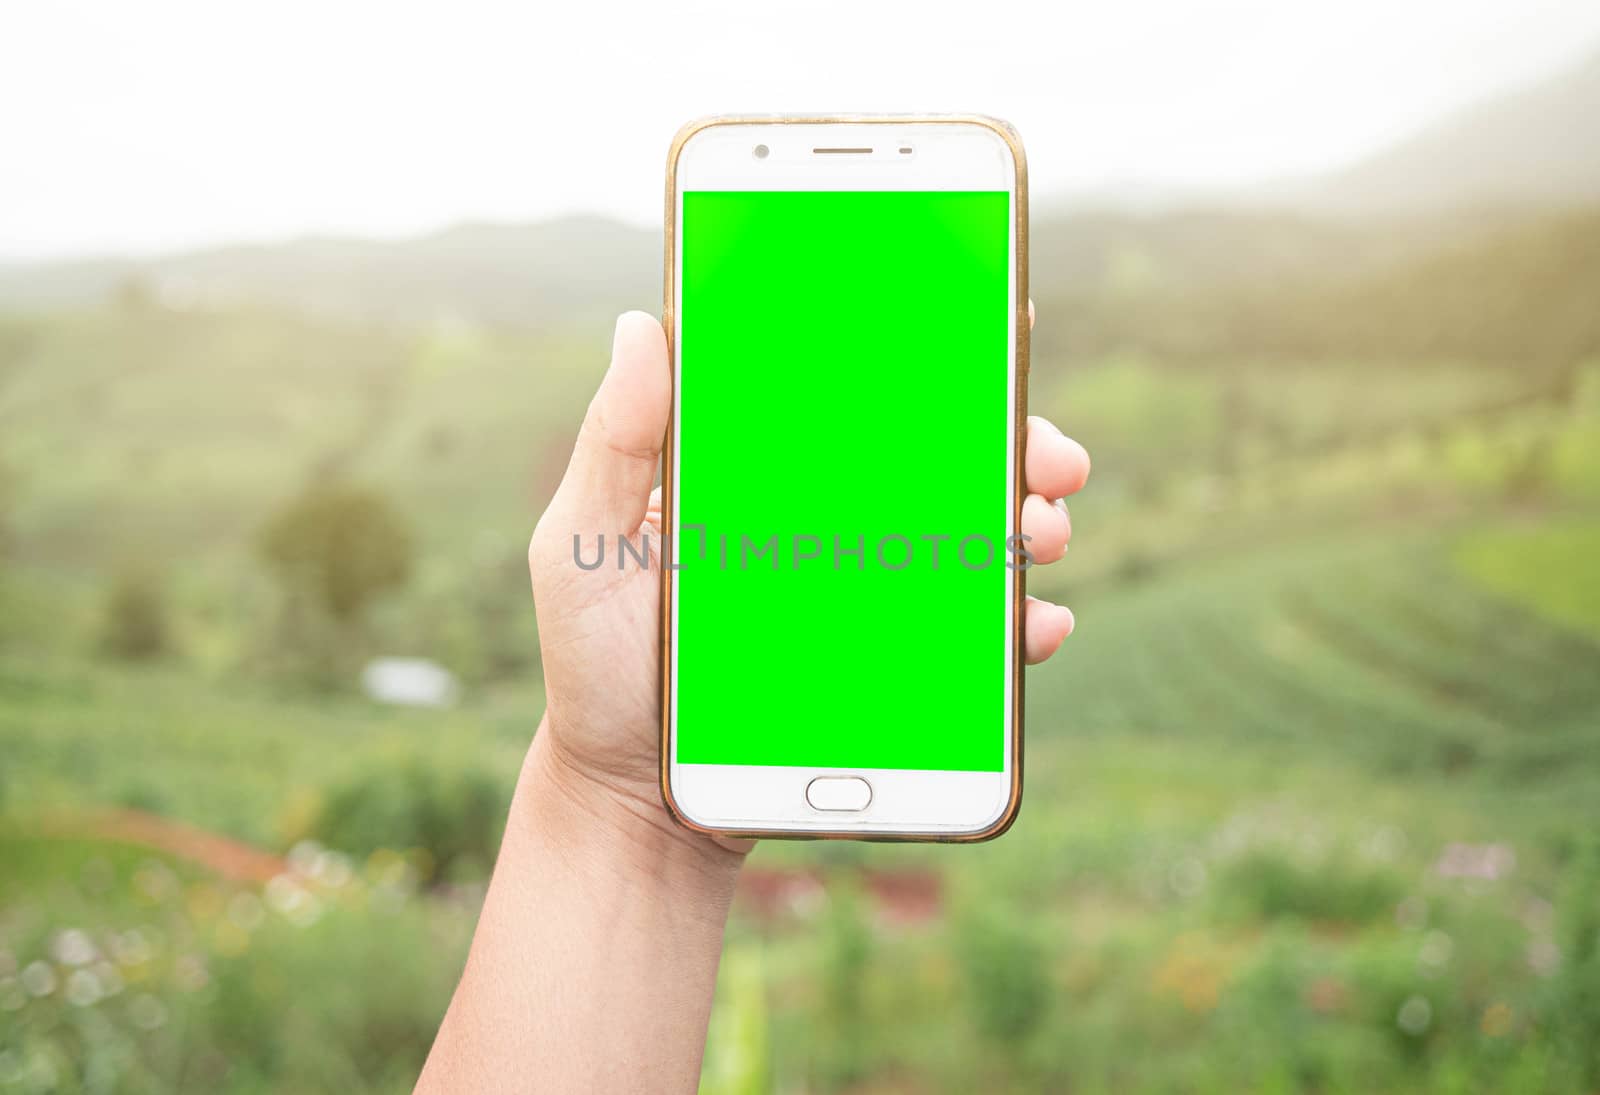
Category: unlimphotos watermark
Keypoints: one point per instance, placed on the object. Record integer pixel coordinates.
(802, 550)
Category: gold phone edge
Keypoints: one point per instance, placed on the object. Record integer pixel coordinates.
(1020, 430)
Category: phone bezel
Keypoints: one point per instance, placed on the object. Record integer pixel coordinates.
(737, 800)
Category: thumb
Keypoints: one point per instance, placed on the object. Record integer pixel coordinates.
(607, 484)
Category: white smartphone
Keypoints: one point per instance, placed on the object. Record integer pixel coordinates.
(842, 588)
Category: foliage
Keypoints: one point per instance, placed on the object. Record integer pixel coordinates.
(1550, 568)
(1006, 973)
(1573, 1010)
(142, 974)
(235, 757)
(340, 546)
(454, 814)
(847, 954)
(1270, 886)
(738, 1058)
(137, 616)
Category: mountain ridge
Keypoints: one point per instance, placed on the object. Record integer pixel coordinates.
(1534, 145)
(1442, 181)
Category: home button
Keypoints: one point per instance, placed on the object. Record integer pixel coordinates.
(840, 793)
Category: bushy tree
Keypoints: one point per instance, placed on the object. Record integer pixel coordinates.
(339, 547)
(455, 813)
(1006, 970)
(136, 624)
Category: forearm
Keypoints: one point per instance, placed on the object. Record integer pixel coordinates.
(595, 957)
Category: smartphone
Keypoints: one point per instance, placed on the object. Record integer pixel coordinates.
(843, 570)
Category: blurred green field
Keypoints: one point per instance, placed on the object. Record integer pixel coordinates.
(1310, 796)
(1241, 799)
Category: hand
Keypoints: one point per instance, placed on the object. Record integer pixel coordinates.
(599, 629)
(595, 955)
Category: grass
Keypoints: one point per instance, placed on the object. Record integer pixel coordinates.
(1551, 568)
(245, 761)
(124, 970)
(1236, 790)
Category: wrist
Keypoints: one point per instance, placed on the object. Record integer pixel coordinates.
(595, 956)
(613, 832)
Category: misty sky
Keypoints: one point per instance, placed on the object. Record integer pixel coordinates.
(167, 124)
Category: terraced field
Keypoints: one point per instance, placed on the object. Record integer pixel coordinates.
(1240, 779)
(1377, 648)
(1263, 798)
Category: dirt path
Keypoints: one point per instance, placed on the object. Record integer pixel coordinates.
(224, 856)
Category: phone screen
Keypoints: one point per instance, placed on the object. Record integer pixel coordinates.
(841, 478)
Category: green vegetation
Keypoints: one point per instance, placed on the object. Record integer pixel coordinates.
(333, 550)
(338, 548)
(136, 624)
(1551, 568)
(135, 972)
(453, 817)
(1310, 797)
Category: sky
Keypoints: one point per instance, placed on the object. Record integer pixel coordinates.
(170, 124)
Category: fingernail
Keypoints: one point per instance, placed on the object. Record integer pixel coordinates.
(1061, 506)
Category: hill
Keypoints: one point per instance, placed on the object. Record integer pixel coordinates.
(1534, 147)
(1500, 292)
(523, 274)
(1509, 159)
(588, 268)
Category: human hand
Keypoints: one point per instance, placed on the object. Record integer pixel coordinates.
(599, 630)
(603, 921)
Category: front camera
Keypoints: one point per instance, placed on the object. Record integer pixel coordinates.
(761, 151)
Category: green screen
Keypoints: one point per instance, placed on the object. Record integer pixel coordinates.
(843, 384)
